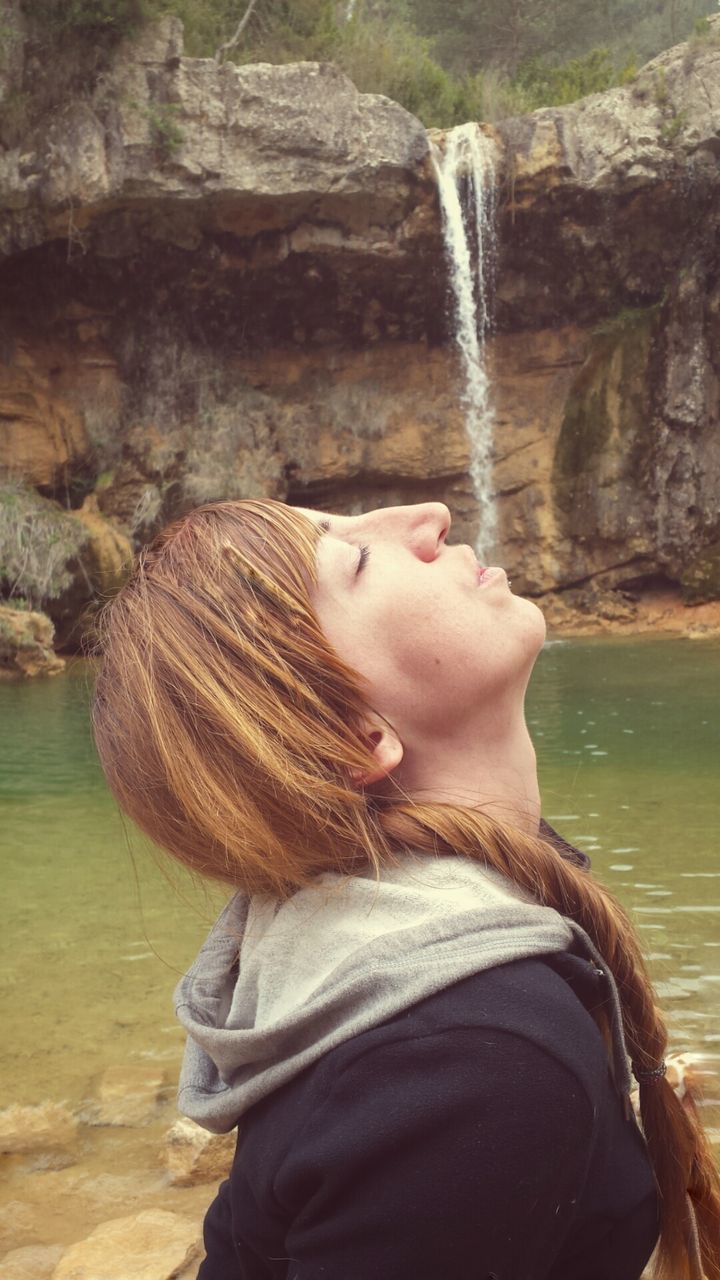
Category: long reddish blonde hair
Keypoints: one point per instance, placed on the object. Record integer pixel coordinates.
(228, 730)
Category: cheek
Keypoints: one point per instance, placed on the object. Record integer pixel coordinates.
(389, 637)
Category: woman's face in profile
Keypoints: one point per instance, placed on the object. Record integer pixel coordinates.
(436, 637)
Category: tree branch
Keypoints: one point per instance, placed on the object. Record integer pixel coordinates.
(240, 28)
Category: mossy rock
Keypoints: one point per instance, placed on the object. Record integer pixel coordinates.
(700, 579)
(609, 397)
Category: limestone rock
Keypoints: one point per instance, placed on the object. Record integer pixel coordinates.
(108, 553)
(42, 438)
(40, 1128)
(392, 413)
(153, 1245)
(32, 1262)
(192, 1155)
(627, 137)
(230, 138)
(94, 573)
(601, 191)
(128, 1095)
(20, 1224)
(26, 648)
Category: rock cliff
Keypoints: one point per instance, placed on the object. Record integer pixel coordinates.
(221, 281)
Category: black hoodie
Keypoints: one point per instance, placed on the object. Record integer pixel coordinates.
(478, 1134)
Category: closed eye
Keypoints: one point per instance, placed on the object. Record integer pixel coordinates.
(364, 557)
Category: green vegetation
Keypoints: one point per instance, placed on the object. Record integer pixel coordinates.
(167, 134)
(508, 33)
(445, 63)
(673, 126)
(628, 320)
(38, 540)
(545, 85)
(390, 58)
(615, 373)
(661, 93)
(703, 33)
(118, 17)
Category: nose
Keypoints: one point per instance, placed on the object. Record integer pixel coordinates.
(422, 525)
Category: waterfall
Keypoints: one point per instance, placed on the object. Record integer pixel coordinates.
(465, 170)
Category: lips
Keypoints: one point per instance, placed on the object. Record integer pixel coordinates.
(488, 573)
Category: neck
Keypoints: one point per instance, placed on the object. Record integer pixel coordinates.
(493, 769)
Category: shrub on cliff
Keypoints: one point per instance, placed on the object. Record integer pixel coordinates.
(392, 59)
(116, 17)
(38, 542)
(543, 85)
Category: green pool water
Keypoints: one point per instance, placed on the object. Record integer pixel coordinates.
(628, 739)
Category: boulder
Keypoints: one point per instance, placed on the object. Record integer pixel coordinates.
(152, 1245)
(26, 645)
(192, 1155)
(41, 1128)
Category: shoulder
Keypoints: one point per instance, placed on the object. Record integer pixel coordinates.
(454, 1103)
(515, 1036)
(534, 1007)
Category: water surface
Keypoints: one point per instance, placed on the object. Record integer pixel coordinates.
(628, 739)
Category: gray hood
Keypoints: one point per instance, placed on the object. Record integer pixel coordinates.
(278, 984)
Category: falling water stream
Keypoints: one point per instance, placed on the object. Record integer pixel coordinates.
(465, 167)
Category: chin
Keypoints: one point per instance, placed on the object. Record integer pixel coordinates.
(535, 627)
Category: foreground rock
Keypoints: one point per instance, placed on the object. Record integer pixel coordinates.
(192, 1155)
(128, 1095)
(30, 1129)
(26, 644)
(33, 1262)
(153, 1245)
(20, 1225)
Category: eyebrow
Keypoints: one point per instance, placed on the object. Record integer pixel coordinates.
(324, 525)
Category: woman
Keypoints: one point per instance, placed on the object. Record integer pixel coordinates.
(419, 1001)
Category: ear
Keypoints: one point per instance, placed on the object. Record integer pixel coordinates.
(387, 750)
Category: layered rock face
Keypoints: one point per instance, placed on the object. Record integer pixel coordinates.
(226, 281)
(612, 222)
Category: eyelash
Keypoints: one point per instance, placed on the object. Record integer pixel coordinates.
(364, 557)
